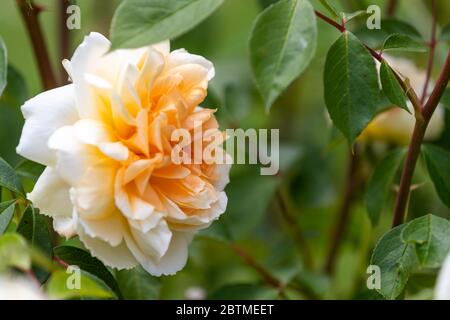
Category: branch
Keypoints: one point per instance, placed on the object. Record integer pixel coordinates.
(30, 13)
(391, 7)
(344, 213)
(266, 276)
(293, 227)
(416, 141)
(64, 37)
(431, 55)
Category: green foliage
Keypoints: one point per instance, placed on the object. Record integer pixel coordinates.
(138, 23)
(244, 292)
(391, 88)
(137, 284)
(82, 259)
(400, 42)
(351, 85)
(353, 15)
(410, 247)
(376, 37)
(6, 214)
(3, 66)
(29, 169)
(14, 252)
(243, 214)
(57, 287)
(282, 44)
(330, 8)
(438, 164)
(11, 119)
(9, 179)
(34, 228)
(380, 185)
(445, 33)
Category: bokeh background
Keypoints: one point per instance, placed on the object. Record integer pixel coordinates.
(255, 228)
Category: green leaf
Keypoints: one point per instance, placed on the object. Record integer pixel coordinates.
(244, 292)
(282, 44)
(411, 247)
(375, 38)
(6, 214)
(396, 260)
(332, 10)
(400, 42)
(34, 228)
(350, 16)
(265, 3)
(438, 164)
(138, 23)
(391, 87)
(3, 66)
(430, 236)
(380, 184)
(9, 179)
(14, 252)
(82, 259)
(351, 85)
(29, 169)
(60, 286)
(137, 284)
(445, 33)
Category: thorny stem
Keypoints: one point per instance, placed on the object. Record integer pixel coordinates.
(291, 222)
(432, 46)
(30, 13)
(344, 213)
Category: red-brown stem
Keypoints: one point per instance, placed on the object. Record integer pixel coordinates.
(61, 262)
(408, 171)
(341, 28)
(344, 213)
(64, 37)
(292, 224)
(391, 7)
(431, 55)
(266, 276)
(416, 141)
(30, 17)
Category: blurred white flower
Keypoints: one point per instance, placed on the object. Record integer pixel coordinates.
(396, 125)
(195, 293)
(19, 288)
(442, 289)
(106, 143)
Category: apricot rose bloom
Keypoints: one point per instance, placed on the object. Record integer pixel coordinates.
(105, 140)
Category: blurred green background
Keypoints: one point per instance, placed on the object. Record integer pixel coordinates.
(313, 156)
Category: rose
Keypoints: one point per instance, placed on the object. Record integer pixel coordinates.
(396, 125)
(105, 142)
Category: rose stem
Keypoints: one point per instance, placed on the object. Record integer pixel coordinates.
(266, 276)
(64, 37)
(416, 141)
(291, 222)
(30, 13)
(391, 7)
(344, 212)
(423, 116)
(431, 55)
